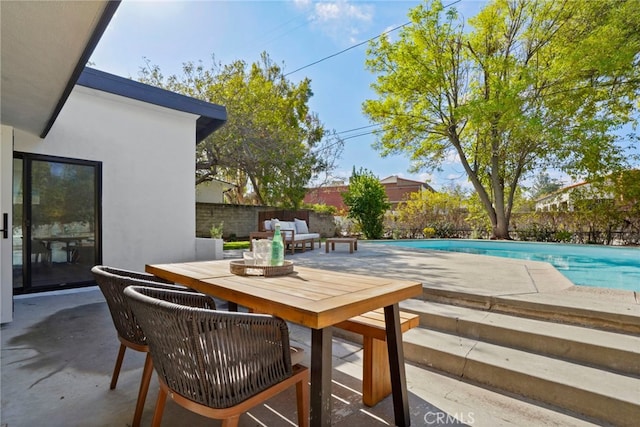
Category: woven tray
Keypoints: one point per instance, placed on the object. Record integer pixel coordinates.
(239, 268)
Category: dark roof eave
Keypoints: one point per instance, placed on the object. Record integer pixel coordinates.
(212, 116)
(108, 13)
(206, 126)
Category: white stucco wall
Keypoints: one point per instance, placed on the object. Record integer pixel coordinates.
(148, 159)
(211, 192)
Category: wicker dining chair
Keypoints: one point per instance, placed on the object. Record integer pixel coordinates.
(215, 363)
(112, 282)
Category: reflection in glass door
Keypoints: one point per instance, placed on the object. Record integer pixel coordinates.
(56, 213)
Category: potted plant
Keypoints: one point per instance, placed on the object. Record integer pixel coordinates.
(216, 232)
(209, 249)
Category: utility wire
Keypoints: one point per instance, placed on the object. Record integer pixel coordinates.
(354, 129)
(359, 44)
(341, 140)
(348, 49)
(359, 135)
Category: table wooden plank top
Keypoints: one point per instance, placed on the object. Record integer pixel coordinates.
(311, 297)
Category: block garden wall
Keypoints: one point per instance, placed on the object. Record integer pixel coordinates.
(240, 220)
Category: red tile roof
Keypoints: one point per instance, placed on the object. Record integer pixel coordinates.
(396, 188)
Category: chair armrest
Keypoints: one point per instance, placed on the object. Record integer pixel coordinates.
(134, 274)
(180, 296)
(288, 235)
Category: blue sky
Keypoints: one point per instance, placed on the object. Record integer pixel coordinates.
(295, 34)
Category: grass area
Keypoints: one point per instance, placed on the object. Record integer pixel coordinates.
(241, 244)
(235, 245)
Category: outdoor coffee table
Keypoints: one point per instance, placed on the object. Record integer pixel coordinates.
(352, 241)
(317, 299)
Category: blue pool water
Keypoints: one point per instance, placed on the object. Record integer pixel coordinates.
(588, 265)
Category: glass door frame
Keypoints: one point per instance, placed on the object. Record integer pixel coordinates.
(26, 217)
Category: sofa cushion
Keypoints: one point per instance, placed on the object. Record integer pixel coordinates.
(267, 225)
(307, 236)
(301, 226)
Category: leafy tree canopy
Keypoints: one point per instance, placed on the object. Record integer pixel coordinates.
(534, 84)
(271, 141)
(544, 185)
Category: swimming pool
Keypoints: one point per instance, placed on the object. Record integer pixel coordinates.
(587, 265)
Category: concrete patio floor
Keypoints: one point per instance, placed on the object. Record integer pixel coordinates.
(58, 354)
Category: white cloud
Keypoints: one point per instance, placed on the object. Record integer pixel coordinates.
(426, 177)
(343, 21)
(341, 10)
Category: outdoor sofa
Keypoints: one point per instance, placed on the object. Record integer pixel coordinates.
(295, 231)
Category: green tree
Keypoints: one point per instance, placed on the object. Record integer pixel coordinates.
(627, 190)
(444, 212)
(367, 203)
(595, 212)
(271, 143)
(608, 204)
(544, 184)
(536, 83)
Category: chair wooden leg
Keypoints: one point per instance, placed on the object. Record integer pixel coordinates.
(302, 394)
(116, 369)
(144, 388)
(157, 413)
(231, 421)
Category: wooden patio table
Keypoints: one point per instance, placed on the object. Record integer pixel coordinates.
(317, 299)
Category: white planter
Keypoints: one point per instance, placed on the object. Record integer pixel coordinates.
(208, 249)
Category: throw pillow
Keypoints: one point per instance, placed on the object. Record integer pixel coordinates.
(287, 225)
(267, 225)
(301, 226)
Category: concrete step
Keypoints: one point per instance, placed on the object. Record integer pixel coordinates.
(606, 397)
(574, 308)
(601, 349)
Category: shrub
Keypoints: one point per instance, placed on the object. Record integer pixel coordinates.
(216, 232)
(322, 208)
(367, 202)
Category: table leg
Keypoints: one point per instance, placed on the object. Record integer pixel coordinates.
(321, 377)
(396, 365)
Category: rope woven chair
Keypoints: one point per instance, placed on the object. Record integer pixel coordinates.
(112, 282)
(215, 363)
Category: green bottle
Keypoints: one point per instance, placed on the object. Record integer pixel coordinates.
(277, 248)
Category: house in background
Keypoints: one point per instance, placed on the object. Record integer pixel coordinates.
(330, 195)
(212, 191)
(559, 200)
(397, 190)
(95, 168)
(620, 187)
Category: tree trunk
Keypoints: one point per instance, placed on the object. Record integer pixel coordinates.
(256, 190)
(501, 228)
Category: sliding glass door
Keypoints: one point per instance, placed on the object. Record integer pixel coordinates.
(56, 211)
